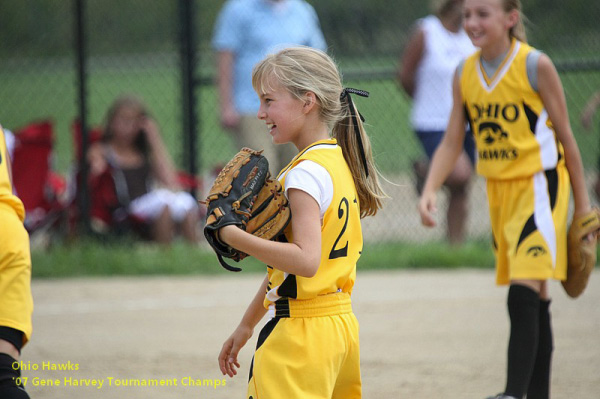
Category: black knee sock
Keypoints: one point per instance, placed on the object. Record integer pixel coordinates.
(8, 392)
(523, 309)
(10, 385)
(539, 386)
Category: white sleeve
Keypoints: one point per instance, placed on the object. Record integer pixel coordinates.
(314, 180)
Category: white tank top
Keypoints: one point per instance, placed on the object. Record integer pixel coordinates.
(442, 52)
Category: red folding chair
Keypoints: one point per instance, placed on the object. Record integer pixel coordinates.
(41, 190)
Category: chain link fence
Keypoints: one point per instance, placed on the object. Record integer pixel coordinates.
(134, 46)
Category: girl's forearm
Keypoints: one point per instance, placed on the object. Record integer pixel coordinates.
(287, 257)
(255, 311)
(442, 163)
(449, 150)
(576, 175)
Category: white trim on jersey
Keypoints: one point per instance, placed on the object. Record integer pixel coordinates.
(272, 295)
(271, 312)
(542, 213)
(545, 137)
(499, 74)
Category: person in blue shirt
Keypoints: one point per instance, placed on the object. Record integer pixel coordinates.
(245, 32)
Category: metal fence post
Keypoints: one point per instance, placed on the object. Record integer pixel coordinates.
(188, 92)
(82, 178)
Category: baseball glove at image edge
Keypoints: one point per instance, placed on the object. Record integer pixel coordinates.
(581, 252)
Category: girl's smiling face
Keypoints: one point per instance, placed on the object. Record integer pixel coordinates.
(282, 112)
(486, 22)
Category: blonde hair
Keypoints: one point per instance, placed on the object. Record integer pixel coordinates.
(303, 69)
(517, 31)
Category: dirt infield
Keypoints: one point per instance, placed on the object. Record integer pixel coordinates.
(431, 334)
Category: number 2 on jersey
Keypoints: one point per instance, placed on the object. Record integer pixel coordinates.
(341, 252)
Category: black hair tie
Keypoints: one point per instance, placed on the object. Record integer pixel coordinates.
(346, 94)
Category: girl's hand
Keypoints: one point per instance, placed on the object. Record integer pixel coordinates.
(228, 361)
(578, 212)
(427, 208)
(97, 160)
(150, 128)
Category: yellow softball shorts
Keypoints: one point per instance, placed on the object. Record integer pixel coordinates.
(529, 225)
(310, 349)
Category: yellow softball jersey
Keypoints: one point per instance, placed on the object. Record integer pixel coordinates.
(7, 197)
(513, 133)
(16, 302)
(341, 234)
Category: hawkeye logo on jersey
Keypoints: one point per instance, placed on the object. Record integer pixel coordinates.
(491, 130)
(492, 133)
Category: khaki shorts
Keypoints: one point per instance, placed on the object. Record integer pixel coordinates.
(529, 225)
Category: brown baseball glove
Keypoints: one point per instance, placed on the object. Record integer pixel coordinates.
(581, 251)
(244, 195)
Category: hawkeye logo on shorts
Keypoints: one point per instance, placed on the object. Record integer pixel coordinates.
(491, 131)
(536, 251)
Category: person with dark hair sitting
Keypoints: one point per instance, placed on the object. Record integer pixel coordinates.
(144, 173)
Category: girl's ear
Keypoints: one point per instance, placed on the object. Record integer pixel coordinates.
(513, 18)
(310, 100)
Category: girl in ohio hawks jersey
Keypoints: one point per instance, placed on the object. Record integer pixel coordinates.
(512, 97)
(309, 348)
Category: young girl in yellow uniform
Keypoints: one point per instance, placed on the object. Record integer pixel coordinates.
(309, 348)
(512, 97)
(16, 303)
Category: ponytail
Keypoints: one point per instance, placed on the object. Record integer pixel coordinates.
(356, 147)
(517, 31)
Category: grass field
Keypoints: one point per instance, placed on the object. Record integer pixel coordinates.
(129, 257)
